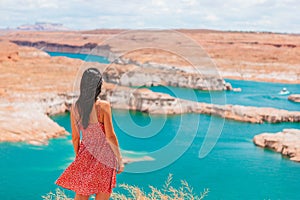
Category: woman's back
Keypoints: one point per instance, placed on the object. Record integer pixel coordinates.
(97, 152)
(94, 138)
(95, 157)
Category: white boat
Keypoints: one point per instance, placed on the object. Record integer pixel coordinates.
(284, 91)
(237, 89)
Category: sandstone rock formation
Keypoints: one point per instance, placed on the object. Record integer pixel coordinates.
(286, 142)
(145, 100)
(43, 26)
(153, 102)
(250, 113)
(27, 76)
(238, 55)
(294, 97)
(33, 83)
(24, 122)
(153, 74)
(125, 71)
(252, 55)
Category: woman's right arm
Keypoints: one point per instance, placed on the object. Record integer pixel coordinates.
(75, 131)
(111, 136)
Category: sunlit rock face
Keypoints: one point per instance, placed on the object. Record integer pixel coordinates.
(286, 142)
(294, 97)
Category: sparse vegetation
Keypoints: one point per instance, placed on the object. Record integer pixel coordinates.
(168, 192)
(58, 195)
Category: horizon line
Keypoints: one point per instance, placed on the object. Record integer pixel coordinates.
(162, 29)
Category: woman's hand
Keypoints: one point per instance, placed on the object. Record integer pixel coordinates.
(120, 167)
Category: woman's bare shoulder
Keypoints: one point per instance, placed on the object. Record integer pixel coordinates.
(104, 105)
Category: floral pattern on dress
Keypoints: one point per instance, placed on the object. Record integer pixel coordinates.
(94, 167)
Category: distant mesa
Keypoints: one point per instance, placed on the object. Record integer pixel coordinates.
(43, 26)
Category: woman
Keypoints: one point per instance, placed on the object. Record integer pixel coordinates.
(98, 157)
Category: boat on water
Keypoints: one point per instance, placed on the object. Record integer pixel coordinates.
(284, 91)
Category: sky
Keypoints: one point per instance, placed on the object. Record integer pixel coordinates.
(235, 15)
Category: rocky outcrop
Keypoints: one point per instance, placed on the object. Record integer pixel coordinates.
(286, 142)
(294, 98)
(137, 73)
(145, 100)
(14, 53)
(23, 122)
(250, 113)
(87, 48)
(153, 102)
(42, 26)
(149, 74)
(28, 77)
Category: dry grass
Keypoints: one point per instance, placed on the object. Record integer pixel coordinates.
(58, 195)
(168, 192)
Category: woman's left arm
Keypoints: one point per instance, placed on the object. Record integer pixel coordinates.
(75, 131)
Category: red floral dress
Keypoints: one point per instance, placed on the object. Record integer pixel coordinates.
(94, 168)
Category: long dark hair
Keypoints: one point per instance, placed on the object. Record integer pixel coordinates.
(90, 88)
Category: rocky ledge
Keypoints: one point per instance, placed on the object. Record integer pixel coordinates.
(153, 102)
(286, 142)
(149, 74)
(24, 122)
(250, 114)
(145, 100)
(294, 97)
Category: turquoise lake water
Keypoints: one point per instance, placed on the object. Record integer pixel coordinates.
(259, 94)
(85, 57)
(234, 169)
